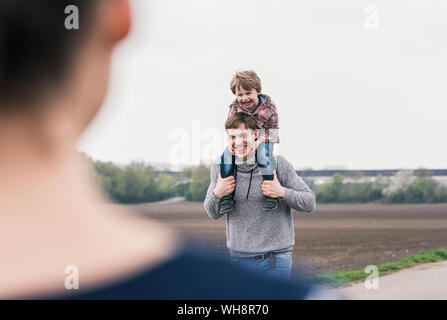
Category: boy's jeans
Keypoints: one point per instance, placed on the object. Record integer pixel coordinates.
(264, 156)
(283, 266)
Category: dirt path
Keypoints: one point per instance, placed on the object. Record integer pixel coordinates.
(422, 282)
(167, 201)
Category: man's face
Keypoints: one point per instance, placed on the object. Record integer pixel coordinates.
(242, 141)
(247, 99)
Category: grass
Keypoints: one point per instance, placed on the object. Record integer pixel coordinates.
(337, 279)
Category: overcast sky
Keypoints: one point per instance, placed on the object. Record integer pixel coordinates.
(356, 86)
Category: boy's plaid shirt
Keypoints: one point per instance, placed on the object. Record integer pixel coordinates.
(266, 116)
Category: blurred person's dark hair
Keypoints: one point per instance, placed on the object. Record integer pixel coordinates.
(36, 50)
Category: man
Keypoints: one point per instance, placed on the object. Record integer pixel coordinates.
(260, 240)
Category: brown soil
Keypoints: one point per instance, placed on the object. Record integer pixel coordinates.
(334, 237)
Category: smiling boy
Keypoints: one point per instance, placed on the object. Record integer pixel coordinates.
(246, 86)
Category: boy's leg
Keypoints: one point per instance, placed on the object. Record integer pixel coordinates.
(267, 166)
(227, 161)
(226, 164)
(265, 160)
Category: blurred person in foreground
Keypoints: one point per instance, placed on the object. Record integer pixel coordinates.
(52, 83)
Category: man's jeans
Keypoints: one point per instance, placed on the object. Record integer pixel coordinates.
(282, 269)
(264, 157)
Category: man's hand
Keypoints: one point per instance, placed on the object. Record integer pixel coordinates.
(273, 189)
(225, 186)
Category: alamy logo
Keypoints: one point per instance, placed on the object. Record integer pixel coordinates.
(72, 20)
(372, 17)
(372, 281)
(72, 280)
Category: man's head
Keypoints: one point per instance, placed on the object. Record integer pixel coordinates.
(242, 134)
(52, 76)
(246, 85)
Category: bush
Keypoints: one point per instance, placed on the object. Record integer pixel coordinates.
(200, 181)
(354, 192)
(134, 183)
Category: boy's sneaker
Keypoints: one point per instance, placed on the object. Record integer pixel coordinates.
(226, 204)
(270, 203)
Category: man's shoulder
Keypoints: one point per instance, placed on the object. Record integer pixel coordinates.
(283, 162)
(215, 163)
(284, 168)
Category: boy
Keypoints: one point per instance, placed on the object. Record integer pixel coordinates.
(246, 85)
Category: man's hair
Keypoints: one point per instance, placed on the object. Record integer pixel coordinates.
(247, 80)
(36, 50)
(239, 117)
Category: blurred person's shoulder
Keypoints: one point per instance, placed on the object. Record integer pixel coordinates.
(195, 273)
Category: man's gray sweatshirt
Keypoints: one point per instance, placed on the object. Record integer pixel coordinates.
(251, 230)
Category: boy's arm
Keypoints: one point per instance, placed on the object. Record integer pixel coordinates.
(232, 110)
(211, 202)
(298, 195)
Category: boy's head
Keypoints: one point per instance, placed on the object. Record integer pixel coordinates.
(246, 85)
(242, 133)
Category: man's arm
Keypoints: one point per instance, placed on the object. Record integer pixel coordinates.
(298, 195)
(211, 202)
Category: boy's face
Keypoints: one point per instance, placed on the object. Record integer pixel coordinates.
(247, 99)
(242, 141)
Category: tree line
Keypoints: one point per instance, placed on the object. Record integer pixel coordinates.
(407, 186)
(139, 182)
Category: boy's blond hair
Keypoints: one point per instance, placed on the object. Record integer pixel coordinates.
(247, 80)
